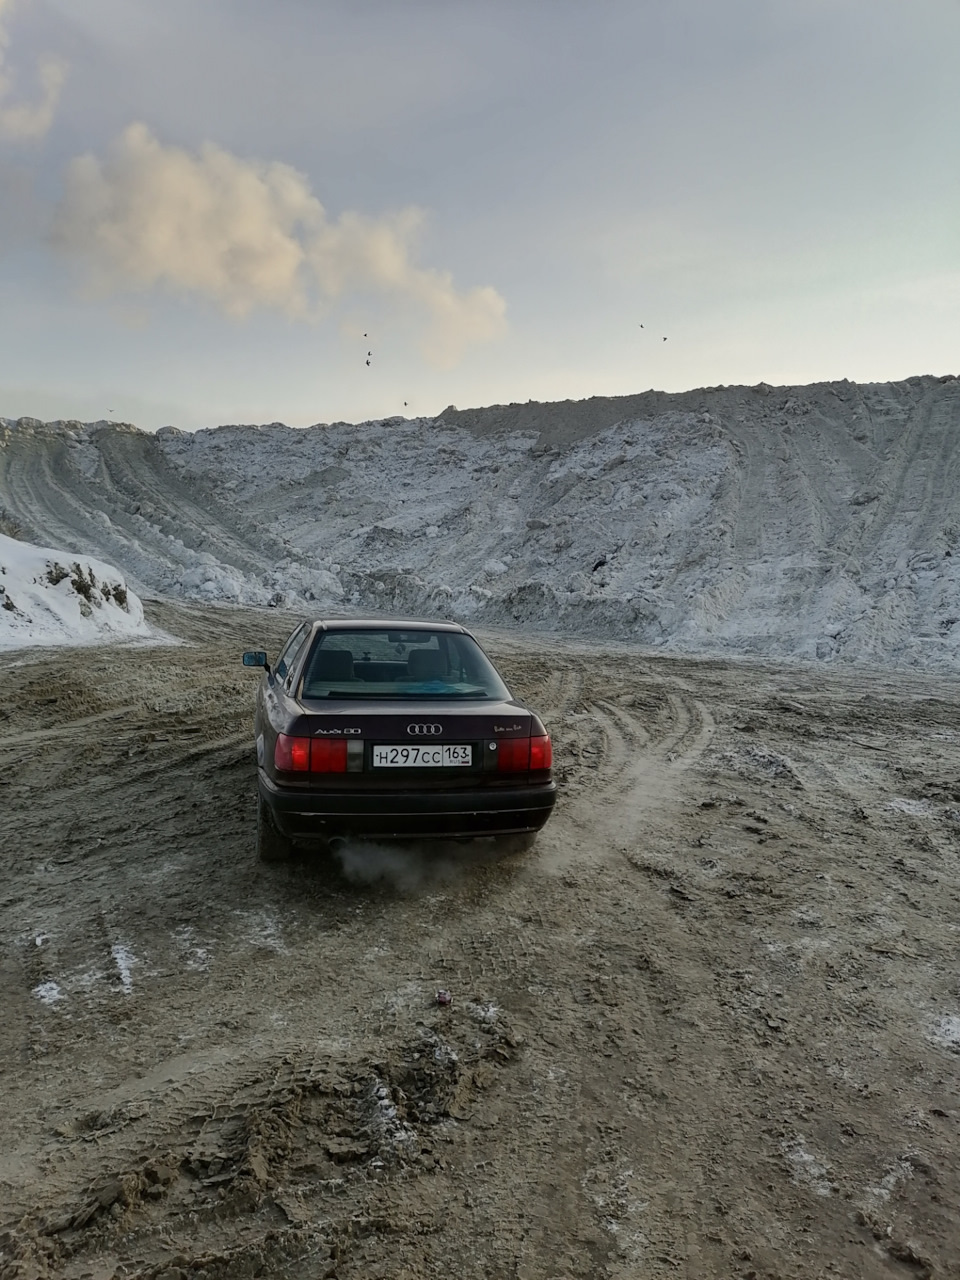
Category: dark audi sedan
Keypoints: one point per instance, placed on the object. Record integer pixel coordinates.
(394, 729)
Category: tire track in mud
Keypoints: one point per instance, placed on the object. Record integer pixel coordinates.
(65, 728)
(561, 692)
(641, 766)
(309, 1122)
(678, 737)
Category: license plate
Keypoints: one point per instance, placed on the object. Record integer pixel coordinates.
(385, 757)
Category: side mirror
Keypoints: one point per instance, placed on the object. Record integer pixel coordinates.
(255, 658)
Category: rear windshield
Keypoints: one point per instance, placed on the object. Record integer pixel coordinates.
(399, 664)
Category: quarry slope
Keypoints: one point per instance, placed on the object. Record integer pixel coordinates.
(814, 522)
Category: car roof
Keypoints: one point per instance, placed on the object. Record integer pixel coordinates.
(386, 624)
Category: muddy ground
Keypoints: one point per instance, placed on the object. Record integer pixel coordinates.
(709, 1027)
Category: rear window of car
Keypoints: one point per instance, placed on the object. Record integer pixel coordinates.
(399, 664)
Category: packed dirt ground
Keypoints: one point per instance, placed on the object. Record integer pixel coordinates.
(709, 1027)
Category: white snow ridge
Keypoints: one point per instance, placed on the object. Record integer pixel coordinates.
(50, 597)
(783, 522)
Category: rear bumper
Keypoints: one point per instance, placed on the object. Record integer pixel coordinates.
(303, 815)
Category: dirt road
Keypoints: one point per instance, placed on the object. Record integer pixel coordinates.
(709, 1028)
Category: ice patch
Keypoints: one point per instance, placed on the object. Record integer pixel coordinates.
(916, 808)
(901, 1172)
(485, 1013)
(411, 995)
(48, 993)
(124, 959)
(195, 955)
(263, 931)
(806, 917)
(805, 1169)
(946, 1032)
(385, 1120)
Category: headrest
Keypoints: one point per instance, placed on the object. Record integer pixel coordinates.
(426, 664)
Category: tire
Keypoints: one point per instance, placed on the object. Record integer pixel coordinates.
(272, 845)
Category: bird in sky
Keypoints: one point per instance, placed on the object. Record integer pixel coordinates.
(368, 363)
(641, 326)
(664, 339)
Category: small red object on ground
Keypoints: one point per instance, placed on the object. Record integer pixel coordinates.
(444, 997)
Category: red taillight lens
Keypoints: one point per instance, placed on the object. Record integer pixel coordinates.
(314, 755)
(513, 755)
(518, 755)
(328, 755)
(292, 755)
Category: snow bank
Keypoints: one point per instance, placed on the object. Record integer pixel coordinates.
(819, 522)
(54, 597)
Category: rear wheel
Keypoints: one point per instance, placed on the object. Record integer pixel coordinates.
(272, 845)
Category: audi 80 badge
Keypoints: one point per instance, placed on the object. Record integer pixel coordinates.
(393, 730)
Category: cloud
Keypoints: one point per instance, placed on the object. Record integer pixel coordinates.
(208, 224)
(248, 235)
(22, 122)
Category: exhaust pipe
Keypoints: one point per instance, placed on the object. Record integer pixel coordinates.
(337, 844)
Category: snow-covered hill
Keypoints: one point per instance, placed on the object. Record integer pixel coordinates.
(52, 597)
(820, 521)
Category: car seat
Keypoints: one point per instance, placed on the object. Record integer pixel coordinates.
(426, 664)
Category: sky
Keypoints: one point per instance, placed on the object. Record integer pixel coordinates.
(306, 211)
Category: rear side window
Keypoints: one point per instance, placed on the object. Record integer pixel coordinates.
(291, 651)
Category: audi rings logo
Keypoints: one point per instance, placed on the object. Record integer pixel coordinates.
(424, 730)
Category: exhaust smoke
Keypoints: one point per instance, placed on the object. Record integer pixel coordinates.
(411, 867)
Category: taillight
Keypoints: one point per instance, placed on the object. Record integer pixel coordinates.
(328, 755)
(313, 755)
(518, 755)
(541, 752)
(292, 755)
(513, 755)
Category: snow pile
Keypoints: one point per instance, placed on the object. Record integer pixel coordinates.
(818, 522)
(54, 597)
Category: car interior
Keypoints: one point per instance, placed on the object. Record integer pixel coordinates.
(334, 666)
